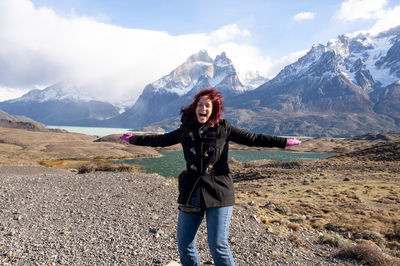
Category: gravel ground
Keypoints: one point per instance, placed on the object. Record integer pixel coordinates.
(51, 216)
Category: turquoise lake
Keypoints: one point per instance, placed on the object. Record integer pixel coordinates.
(172, 163)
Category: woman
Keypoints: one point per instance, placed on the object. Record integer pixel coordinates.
(206, 186)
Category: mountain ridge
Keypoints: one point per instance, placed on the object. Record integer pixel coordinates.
(60, 104)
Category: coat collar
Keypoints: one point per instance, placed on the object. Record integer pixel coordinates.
(190, 120)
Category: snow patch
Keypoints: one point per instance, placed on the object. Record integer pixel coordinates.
(181, 89)
(350, 75)
(381, 46)
(222, 63)
(217, 79)
(252, 80)
(58, 92)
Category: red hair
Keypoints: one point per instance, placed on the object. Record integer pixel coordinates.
(216, 100)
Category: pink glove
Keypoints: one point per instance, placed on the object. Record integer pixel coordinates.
(292, 142)
(125, 137)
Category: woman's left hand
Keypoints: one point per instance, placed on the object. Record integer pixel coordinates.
(125, 137)
(292, 142)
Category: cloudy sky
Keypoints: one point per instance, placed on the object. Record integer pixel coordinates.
(113, 48)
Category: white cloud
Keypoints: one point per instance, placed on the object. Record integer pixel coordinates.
(40, 47)
(10, 93)
(389, 20)
(304, 16)
(227, 33)
(361, 9)
(385, 18)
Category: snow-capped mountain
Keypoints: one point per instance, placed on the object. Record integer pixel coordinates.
(182, 79)
(201, 69)
(60, 104)
(63, 91)
(356, 56)
(348, 86)
(252, 80)
(354, 75)
(344, 75)
(164, 97)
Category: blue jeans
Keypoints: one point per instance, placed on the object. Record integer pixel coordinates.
(218, 220)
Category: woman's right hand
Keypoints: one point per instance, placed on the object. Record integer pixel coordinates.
(292, 142)
(126, 137)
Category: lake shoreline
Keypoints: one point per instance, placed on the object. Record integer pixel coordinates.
(171, 162)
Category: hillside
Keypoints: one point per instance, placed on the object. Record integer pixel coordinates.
(350, 197)
(383, 152)
(26, 147)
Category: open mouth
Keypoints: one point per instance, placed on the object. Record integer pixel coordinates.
(203, 115)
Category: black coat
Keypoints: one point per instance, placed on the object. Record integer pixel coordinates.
(205, 150)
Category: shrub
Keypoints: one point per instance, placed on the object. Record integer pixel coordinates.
(333, 227)
(371, 235)
(295, 239)
(264, 220)
(396, 230)
(85, 168)
(108, 167)
(297, 218)
(276, 220)
(372, 255)
(294, 227)
(333, 240)
(394, 248)
(283, 209)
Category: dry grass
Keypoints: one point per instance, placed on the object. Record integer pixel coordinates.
(333, 240)
(296, 240)
(366, 205)
(108, 167)
(371, 254)
(22, 147)
(294, 227)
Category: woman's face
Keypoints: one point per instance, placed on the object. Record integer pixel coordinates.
(203, 109)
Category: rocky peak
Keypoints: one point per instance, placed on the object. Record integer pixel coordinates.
(302, 65)
(360, 43)
(340, 45)
(313, 55)
(222, 60)
(251, 80)
(391, 32)
(201, 56)
(182, 79)
(391, 60)
(223, 65)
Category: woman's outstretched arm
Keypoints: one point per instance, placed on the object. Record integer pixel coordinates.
(261, 140)
(162, 140)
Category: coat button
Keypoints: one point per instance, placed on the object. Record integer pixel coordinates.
(209, 168)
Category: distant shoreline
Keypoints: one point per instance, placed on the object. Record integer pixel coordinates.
(104, 131)
(94, 131)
